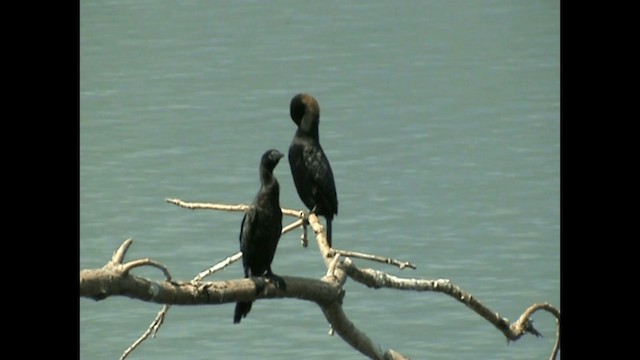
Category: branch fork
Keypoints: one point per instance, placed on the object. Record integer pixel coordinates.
(115, 279)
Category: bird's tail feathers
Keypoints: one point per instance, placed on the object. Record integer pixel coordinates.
(242, 309)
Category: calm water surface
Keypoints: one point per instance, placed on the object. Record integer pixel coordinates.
(441, 122)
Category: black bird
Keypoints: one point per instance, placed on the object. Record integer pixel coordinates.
(310, 168)
(260, 232)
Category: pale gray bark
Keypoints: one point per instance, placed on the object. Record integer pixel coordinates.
(115, 279)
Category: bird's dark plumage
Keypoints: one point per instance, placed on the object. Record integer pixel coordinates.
(260, 231)
(310, 167)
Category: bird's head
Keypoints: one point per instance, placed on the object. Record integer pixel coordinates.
(302, 104)
(271, 158)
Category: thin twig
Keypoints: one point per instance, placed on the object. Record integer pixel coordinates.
(159, 320)
(301, 215)
(151, 330)
(294, 225)
(293, 213)
(144, 262)
(208, 206)
(381, 259)
(119, 254)
(219, 266)
(239, 207)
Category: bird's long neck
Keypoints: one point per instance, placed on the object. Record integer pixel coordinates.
(269, 182)
(309, 126)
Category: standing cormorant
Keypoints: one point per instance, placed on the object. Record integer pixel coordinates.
(310, 168)
(260, 232)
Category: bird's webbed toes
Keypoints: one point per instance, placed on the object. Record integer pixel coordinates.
(306, 214)
(277, 281)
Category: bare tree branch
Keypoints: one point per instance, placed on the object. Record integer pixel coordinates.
(159, 319)
(242, 207)
(152, 330)
(148, 262)
(118, 255)
(239, 207)
(193, 206)
(115, 279)
(381, 259)
(219, 266)
(352, 335)
(98, 284)
(378, 279)
(294, 225)
(525, 325)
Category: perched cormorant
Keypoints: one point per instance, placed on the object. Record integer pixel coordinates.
(310, 168)
(260, 232)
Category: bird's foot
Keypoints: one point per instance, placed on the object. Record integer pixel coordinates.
(305, 222)
(277, 281)
(260, 283)
(305, 216)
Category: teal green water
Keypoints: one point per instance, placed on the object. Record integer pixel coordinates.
(441, 120)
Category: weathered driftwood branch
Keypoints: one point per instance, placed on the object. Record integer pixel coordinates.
(242, 207)
(381, 259)
(524, 324)
(339, 322)
(239, 207)
(97, 284)
(219, 266)
(152, 330)
(159, 319)
(115, 279)
(378, 279)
